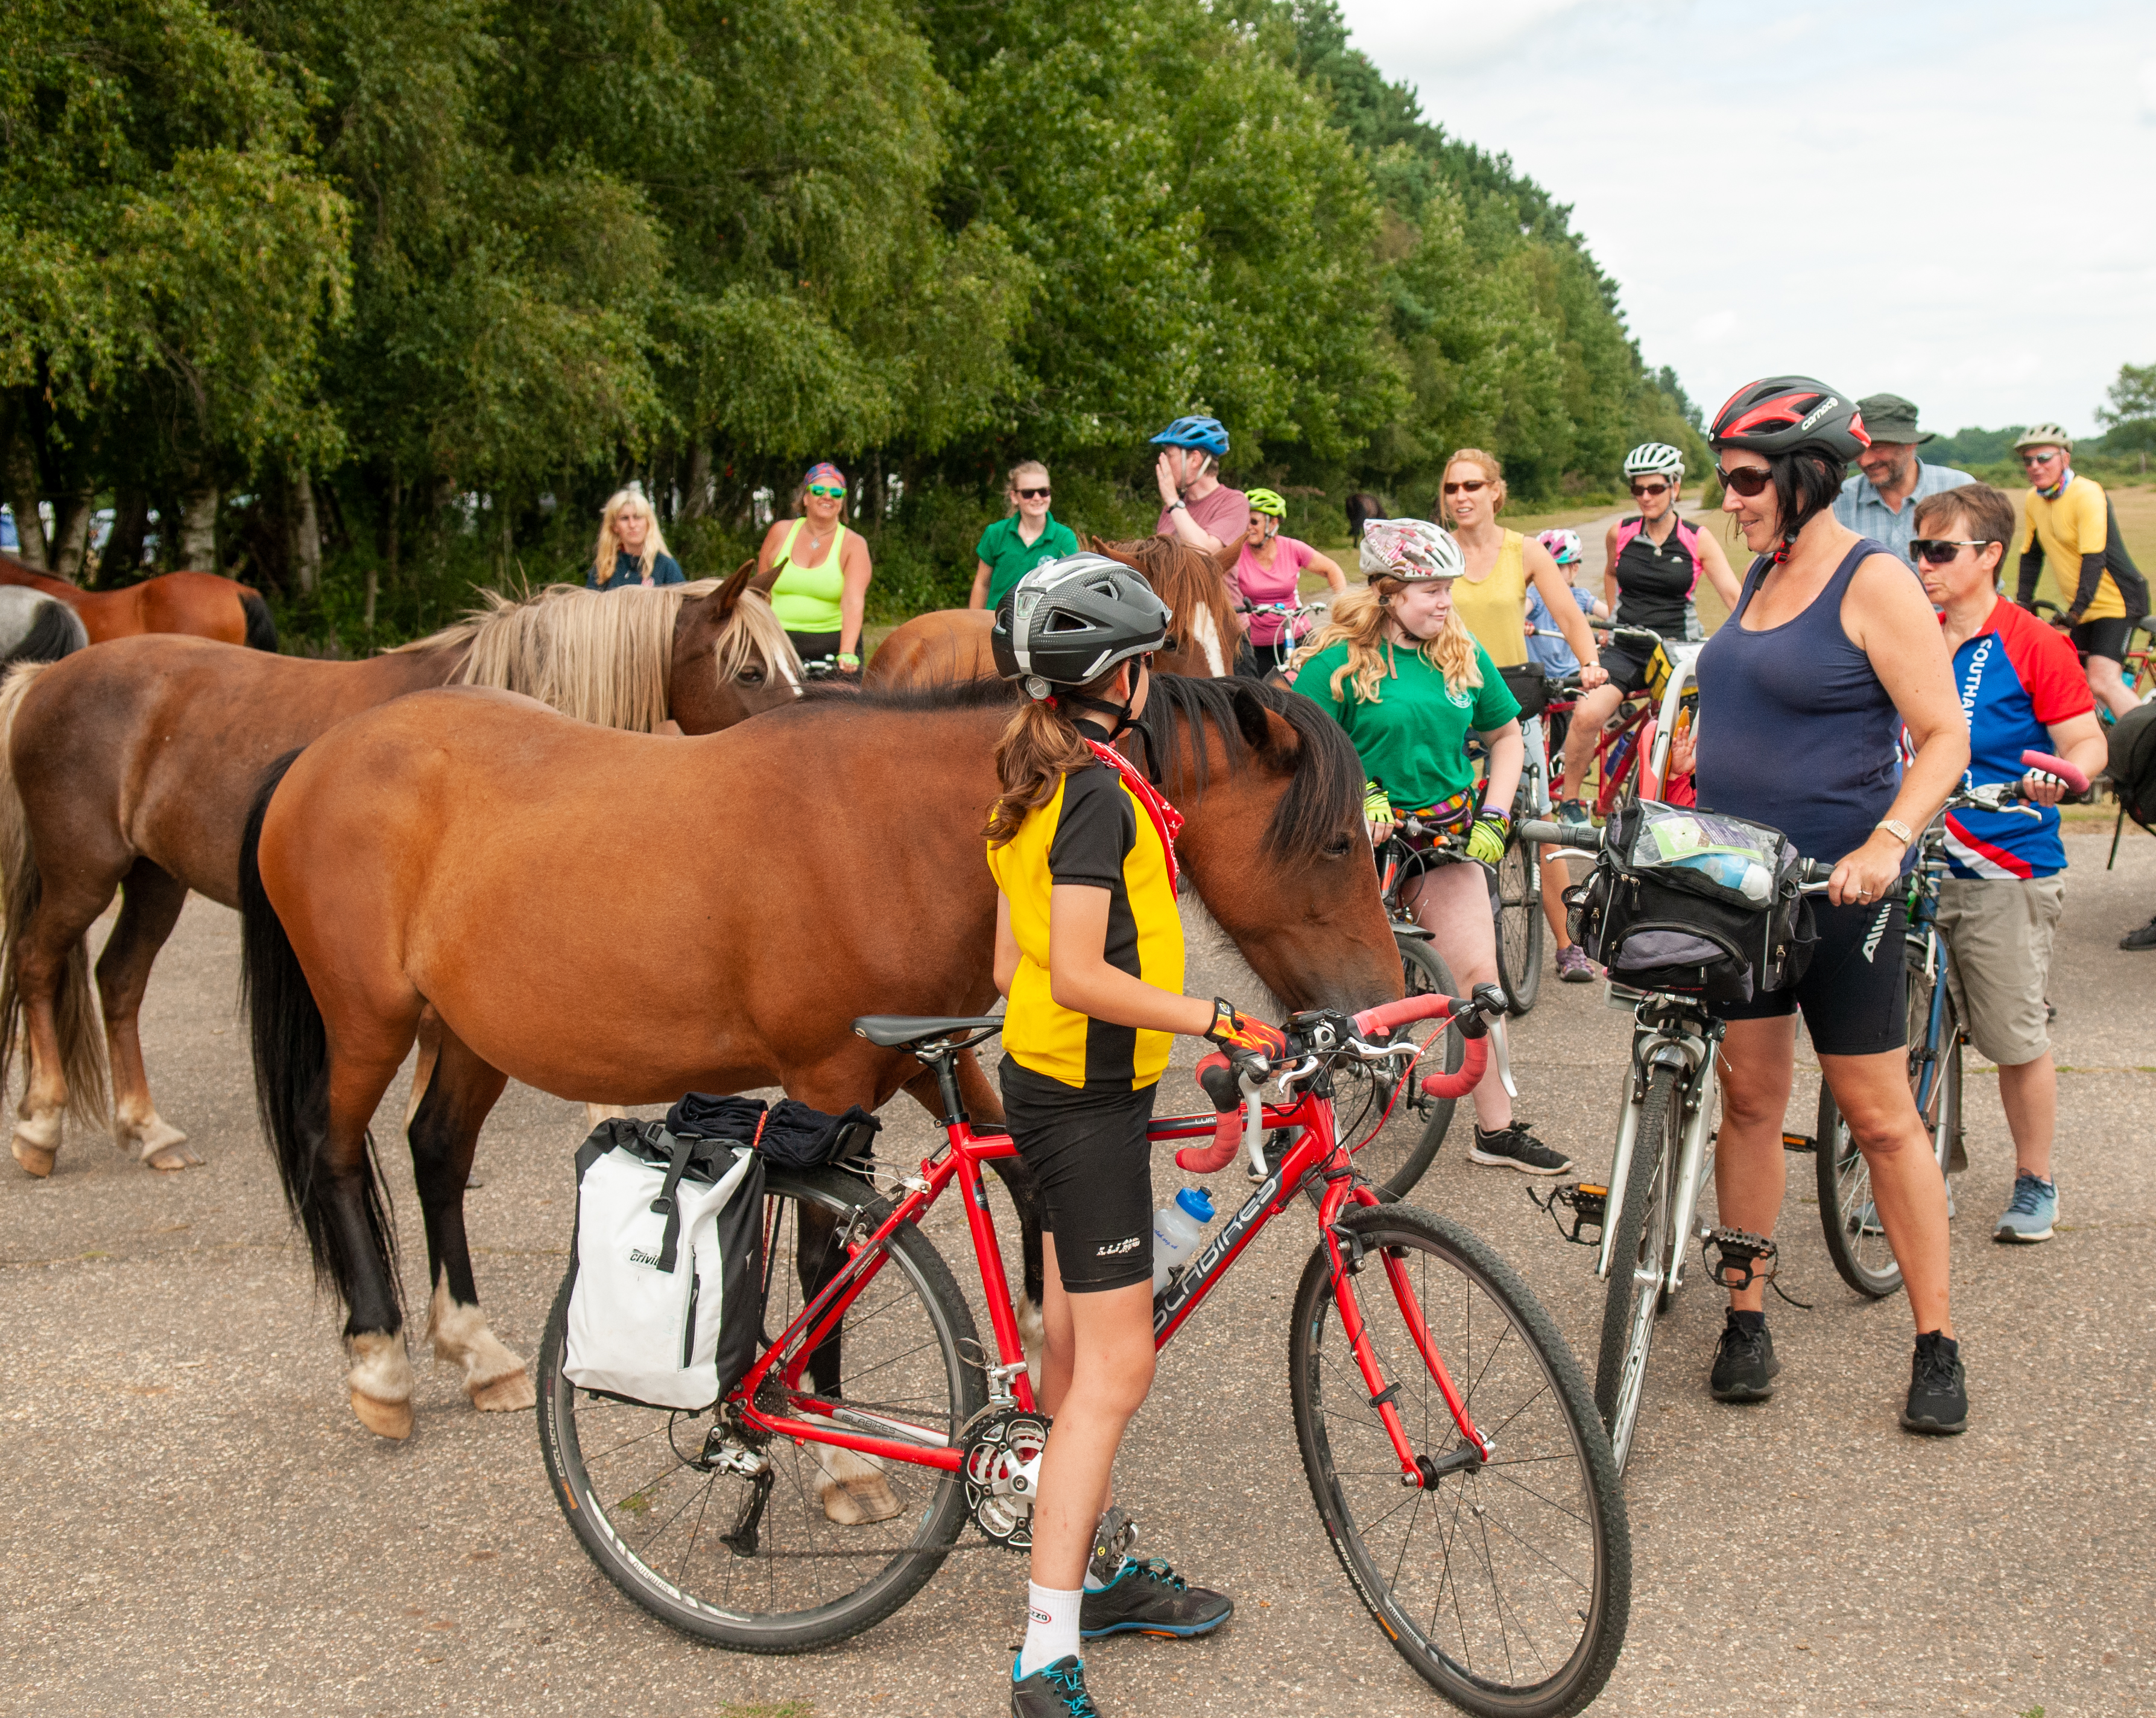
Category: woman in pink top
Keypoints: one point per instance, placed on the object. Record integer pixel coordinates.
(1269, 569)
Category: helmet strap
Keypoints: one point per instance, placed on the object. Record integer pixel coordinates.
(1121, 712)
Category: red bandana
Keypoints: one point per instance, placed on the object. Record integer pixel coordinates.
(1166, 819)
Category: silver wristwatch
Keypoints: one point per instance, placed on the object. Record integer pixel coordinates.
(1179, 505)
(1896, 828)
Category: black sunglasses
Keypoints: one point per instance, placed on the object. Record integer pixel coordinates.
(1745, 480)
(1033, 495)
(1939, 550)
(1647, 489)
(1470, 486)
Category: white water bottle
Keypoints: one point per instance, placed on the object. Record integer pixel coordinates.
(1177, 1230)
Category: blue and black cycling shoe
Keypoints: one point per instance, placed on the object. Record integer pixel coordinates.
(1151, 1598)
(1056, 1690)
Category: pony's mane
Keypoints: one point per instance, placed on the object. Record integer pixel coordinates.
(1188, 580)
(933, 695)
(1324, 795)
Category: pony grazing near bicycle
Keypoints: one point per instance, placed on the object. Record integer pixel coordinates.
(129, 769)
(200, 604)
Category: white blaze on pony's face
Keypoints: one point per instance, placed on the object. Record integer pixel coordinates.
(1207, 637)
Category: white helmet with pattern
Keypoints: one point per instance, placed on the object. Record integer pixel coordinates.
(1411, 549)
(1654, 459)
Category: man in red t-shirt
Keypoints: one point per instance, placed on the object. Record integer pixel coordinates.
(1196, 507)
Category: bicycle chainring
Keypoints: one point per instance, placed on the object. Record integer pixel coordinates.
(1002, 1450)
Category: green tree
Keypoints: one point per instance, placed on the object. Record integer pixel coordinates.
(2130, 417)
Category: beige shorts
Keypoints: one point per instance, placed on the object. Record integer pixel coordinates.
(2001, 932)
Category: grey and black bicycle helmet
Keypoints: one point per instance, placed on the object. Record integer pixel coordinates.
(1070, 621)
(1783, 414)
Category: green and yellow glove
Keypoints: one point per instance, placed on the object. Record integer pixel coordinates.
(1376, 807)
(1486, 840)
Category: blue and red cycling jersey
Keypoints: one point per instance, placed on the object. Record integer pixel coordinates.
(2015, 678)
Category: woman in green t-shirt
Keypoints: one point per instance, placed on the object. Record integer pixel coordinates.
(1021, 541)
(1398, 669)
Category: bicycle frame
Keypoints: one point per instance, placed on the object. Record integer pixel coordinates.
(1315, 1157)
(1684, 1039)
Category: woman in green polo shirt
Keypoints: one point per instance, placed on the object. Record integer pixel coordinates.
(1398, 669)
(1021, 540)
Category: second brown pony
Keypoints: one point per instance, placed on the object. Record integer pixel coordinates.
(201, 604)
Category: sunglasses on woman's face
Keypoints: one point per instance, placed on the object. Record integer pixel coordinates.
(832, 491)
(1472, 485)
(1640, 490)
(1745, 480)
(1939, 550)
(1033, 495)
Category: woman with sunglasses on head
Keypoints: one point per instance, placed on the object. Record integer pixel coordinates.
(821, 593)
(1027, 537)
(1830, 654)
(1653, 562)
(1396, 666)
(1269, 569)
(1502, 568)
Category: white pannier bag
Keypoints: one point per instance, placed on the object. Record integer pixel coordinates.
(669, 1246)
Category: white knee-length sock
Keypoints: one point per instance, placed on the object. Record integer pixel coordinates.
(1051, 1627)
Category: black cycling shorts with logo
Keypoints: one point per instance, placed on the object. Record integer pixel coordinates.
(2103, 638)
(1626, 666)
(1855, 993)
(1087, 1146)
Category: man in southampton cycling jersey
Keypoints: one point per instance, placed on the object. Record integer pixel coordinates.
(1397, 668)
(1879, 500)
(2022, 689)
(1269, 569)
(2066, 519)
(1650, 579)
(1195, 507)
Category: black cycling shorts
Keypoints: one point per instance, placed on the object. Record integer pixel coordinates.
(2103, 638)
(1626, 666)
(814, 646)
(1855, 993)
(1087, 1147)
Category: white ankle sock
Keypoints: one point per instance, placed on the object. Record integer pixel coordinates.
(1051, 1628)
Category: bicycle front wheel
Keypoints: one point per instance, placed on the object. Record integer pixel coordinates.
(1636, 1264)
(1520, 925)
(1394, 1152)
(1506, 1585)
(826, 1543)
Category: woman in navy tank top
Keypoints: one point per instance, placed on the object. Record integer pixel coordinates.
(1832, 650)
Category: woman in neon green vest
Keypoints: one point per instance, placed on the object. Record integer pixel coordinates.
(823, 583)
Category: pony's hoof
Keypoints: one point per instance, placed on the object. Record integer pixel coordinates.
(872, 1498)
(177, 1156)
(505, 1395)
(37, 1159)
(852, 1488)
(161, 1145)
(384, 1419)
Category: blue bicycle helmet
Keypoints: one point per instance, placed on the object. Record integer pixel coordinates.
(1206, 434)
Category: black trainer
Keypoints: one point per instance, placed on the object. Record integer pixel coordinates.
(2145, 937)
(1570, 811)
(1938, 1391)
(1518, 1147)
(1056, 1690)
(1744, 1363)
(1151, 1598)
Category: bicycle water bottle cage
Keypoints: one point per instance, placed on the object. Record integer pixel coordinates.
(1588, 1204)
(1743, 1251)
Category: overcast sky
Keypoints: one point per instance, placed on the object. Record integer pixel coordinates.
(1954, 201)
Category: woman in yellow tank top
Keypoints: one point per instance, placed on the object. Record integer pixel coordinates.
(1491, 597)
(822, 589)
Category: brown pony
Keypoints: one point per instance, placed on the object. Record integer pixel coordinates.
(197, 603)
(947, 645)
(418, 857)
(130, 767)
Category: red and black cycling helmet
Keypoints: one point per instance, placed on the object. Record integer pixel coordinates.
(1783, 414)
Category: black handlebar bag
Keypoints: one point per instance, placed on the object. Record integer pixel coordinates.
(1694, 903)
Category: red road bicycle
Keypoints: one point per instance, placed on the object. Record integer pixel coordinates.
(1632, 752)
(1451, 1443)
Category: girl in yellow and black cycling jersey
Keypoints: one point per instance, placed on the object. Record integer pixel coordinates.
(1088, 951)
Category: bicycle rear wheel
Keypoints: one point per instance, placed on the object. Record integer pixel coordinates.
(690, 1541)
(1393, 1156)
(1508, 1585)
(1520, 926)
(1636, 1262)
(1856, 1239)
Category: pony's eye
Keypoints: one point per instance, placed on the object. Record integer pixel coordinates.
(751, 676)
(1338, 848)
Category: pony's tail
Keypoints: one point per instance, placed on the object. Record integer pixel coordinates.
(261, 630)
(58, 631)
(74, 1009)
(292, 1068)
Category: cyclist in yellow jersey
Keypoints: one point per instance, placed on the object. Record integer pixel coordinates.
(2066, 520)
(821, 594)
(1088, 951)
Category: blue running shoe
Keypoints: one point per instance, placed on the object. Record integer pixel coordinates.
(2028, 1216)
(1056, 1690)
(1151, 1598)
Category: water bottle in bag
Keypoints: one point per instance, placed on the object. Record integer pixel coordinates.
(1734, 871)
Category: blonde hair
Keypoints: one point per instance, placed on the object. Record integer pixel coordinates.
(1017, 471)
(1487, 462)
(654, 542)
(1358, 620)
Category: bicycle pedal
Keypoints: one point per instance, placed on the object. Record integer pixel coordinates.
(1588, 1204)
(1799, 1142)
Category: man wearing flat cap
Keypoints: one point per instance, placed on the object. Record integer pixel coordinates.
(1880, 499)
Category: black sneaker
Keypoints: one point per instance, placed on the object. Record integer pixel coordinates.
(1938, 1392)
(1517, 1147)
(1057, 1690)
(1744, 1363)
(1570, 811)
(1151, 1598)
(2145, 937)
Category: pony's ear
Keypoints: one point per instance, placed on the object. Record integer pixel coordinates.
(760, 582)
(730, 593)
(1226, 557)
(1268, 734)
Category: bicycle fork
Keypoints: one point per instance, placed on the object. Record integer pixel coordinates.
(1691, 1057)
